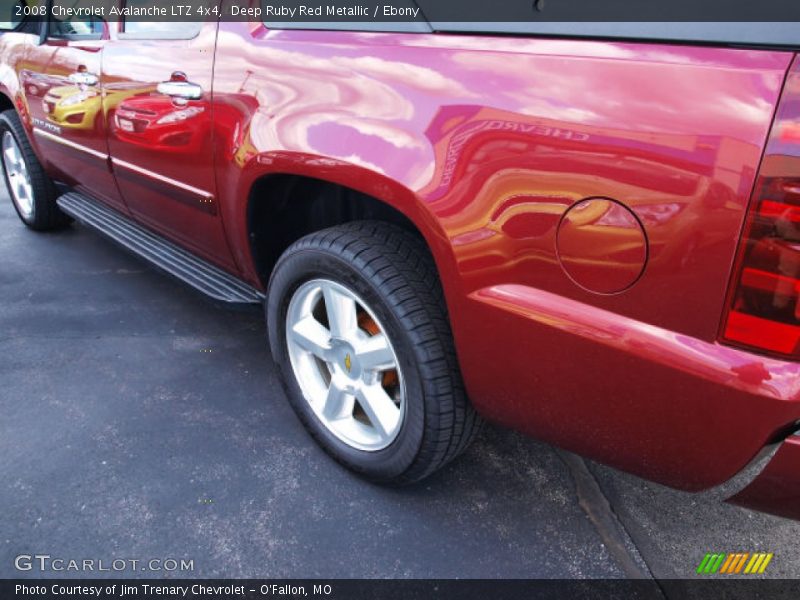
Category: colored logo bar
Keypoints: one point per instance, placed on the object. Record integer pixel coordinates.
(740, 563)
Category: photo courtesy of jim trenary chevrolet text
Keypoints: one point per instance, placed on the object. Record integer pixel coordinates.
(424, 299)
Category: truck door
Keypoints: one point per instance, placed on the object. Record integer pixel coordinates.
(158, 79)
(61, 83)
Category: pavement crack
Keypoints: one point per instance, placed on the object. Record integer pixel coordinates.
(612, 532)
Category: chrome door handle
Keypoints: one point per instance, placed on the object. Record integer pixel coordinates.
(180, 87)
(83, 78)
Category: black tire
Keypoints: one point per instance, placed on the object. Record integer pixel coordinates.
(45, 214)
(393, 272)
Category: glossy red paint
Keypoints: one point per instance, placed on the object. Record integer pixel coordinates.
(495, 138)
(174, 193)
(70, 114)
(686, 412)
(158, 123)
(38, 84)
(485, 143)
(601, 245)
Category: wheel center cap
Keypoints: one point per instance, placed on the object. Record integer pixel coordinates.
(345, 359)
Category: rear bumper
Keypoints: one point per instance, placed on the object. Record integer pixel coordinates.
(675, 409)
(777, 489)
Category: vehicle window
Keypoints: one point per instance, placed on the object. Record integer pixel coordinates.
(75, 26)
(178, 30)
(11, 15)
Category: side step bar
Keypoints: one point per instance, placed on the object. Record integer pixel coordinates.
(169, 257)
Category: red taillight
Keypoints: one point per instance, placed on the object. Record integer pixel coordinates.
(765, 310)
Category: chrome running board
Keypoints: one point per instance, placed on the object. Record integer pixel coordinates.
(167, 256)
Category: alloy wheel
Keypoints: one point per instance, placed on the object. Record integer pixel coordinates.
(345, 365)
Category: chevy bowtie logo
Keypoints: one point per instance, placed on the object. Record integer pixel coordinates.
(742, 563)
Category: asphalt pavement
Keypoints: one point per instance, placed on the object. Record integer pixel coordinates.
(141, 421)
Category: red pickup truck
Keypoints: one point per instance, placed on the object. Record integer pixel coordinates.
(594, 242)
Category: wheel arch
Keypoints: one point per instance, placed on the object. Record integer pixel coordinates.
(13, 98)
(11, 92)
(293, 200)
(5, 102)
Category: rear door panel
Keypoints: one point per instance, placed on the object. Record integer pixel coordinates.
(160, 134)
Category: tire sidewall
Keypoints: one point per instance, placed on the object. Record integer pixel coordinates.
(7, 126)
(304, 265)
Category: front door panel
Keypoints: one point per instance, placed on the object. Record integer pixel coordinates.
(61, 83)
(158, 77)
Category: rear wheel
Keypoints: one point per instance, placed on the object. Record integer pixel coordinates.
(359, 331)
(31, 190)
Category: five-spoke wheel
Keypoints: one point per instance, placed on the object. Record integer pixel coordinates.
(345, 364)
(359, 332)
